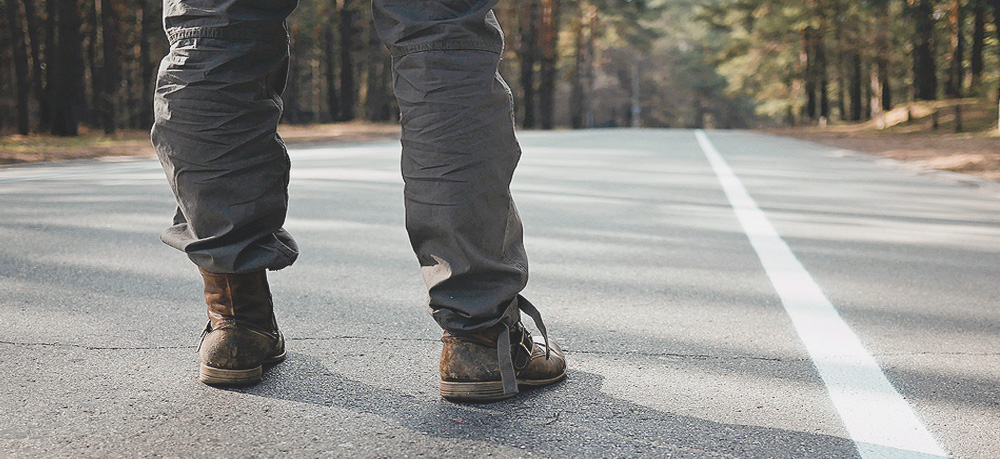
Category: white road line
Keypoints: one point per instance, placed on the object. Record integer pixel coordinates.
(876, 416)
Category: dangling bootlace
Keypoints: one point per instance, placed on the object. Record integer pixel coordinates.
(507, 371)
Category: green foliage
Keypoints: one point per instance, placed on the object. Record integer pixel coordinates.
(783, 53)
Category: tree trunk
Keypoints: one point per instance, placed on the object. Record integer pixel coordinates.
(37, 75)
(868, 97)
(527, 50)
(857, 105)
(51, 35)
(332, 98)
(550, 53)
(4, 78)
(111, 91)
(66, 68)
(956, 53)
(348, 85)
(22, 86)
(808, 59)
(838, 32)
(147, 64)
(924, 68)
(377, 93)
(635, 108)
(880, 86)
(698, 108)
(293, 110)
(591, 60)
(314, 91)
(978, 47)
(822, 75)
(876, 104)
(92, 20)
(577, 95)
(50, 41)
(885, 84)
(995, 5)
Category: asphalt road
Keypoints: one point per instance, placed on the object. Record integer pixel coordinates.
(835, 307)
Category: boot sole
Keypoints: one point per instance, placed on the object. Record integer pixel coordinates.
(488, 391)
(226, 377)
(223, 377)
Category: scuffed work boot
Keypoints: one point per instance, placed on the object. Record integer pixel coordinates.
(474, 368)
(242, 334)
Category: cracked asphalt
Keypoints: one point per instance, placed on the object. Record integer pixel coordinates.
(677, 342)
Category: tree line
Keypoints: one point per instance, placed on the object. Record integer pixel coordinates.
(68, 63)
(816, 60)
(92, 63)
(71, 64)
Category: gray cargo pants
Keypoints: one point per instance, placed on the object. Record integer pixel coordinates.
(218, 102)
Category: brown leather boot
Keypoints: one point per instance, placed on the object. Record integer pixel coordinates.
(242, 334)
(491, 364)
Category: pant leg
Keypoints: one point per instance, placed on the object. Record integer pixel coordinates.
(459, 155)
(217, 106)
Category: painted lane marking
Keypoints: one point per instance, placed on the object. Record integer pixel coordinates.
(879, 420)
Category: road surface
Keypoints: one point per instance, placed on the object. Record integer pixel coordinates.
(718, 294)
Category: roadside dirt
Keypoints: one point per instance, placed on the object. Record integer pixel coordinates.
(956, 135)
(23, 149)
(976, 155)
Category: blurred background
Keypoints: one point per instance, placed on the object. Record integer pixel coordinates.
(72, 66)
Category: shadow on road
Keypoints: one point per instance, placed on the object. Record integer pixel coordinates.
(572, 418)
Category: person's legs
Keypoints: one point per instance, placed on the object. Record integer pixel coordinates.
(459, 155)
(217, 106)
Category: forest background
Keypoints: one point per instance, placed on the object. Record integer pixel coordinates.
(71, 66)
